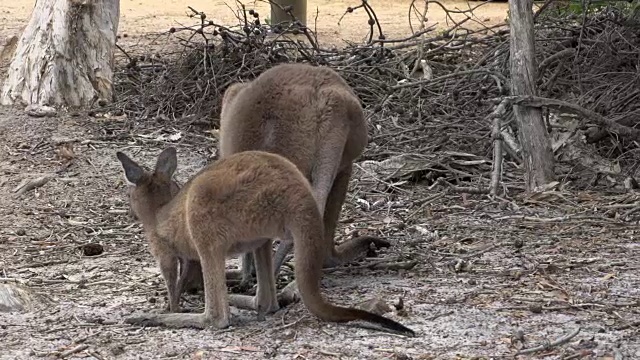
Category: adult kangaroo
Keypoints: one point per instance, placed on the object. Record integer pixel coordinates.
(311, 116)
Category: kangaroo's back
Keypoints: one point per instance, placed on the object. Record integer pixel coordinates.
(237, 185)
(292, 110)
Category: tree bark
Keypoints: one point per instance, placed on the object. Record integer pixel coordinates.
(65, 54)
(299, 11)
(536, 149)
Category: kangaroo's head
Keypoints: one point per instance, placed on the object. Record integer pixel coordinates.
(149, 191)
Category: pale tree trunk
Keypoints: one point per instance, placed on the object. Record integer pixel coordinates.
(536, 149)
(65, 55)
(299, 11)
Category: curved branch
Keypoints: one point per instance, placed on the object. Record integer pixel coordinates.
(536, 101)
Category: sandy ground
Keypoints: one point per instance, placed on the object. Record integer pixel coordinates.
(145, 16)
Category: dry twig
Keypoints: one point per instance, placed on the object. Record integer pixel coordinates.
(561, 340)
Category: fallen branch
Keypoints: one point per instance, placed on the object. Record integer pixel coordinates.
(629, 325)
(402, 265)
(75, 350)
(548, 220)
(497, 115)
(377, 265)
(27, 185)
(467, 189)
(536, 101)
(554, 343)
(480, 252)
(559, 55)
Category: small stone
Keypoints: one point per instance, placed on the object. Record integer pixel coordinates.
(92, 249)
(36, 110)
(117, 350)
(399, 305)
(535, 308)
(518, 243)
(402, 356)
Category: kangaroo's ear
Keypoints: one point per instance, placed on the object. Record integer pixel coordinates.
(133, 173)
(167, 162)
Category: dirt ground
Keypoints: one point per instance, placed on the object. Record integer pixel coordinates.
(478, 278)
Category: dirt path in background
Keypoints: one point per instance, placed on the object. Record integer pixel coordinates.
(143, 16)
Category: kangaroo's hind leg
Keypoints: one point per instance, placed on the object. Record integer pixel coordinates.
(322, 177)
(216, 314)
(265, 301)
(352, 249)
(247, 271)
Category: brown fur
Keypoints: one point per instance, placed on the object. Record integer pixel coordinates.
(311, 116)
(232, 206)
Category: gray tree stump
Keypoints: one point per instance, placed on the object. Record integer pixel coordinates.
(65, 54)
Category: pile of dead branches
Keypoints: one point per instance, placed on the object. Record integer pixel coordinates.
(430, 93)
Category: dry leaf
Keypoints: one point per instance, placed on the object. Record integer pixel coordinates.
(197, 355)
(175, 137)
(65, 152)
(608, 276)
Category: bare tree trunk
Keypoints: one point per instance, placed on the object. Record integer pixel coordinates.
(299, 11)
(536, 150)
(65, 54)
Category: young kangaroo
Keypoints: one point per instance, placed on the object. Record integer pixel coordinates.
(311, 116)
(232, 206)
